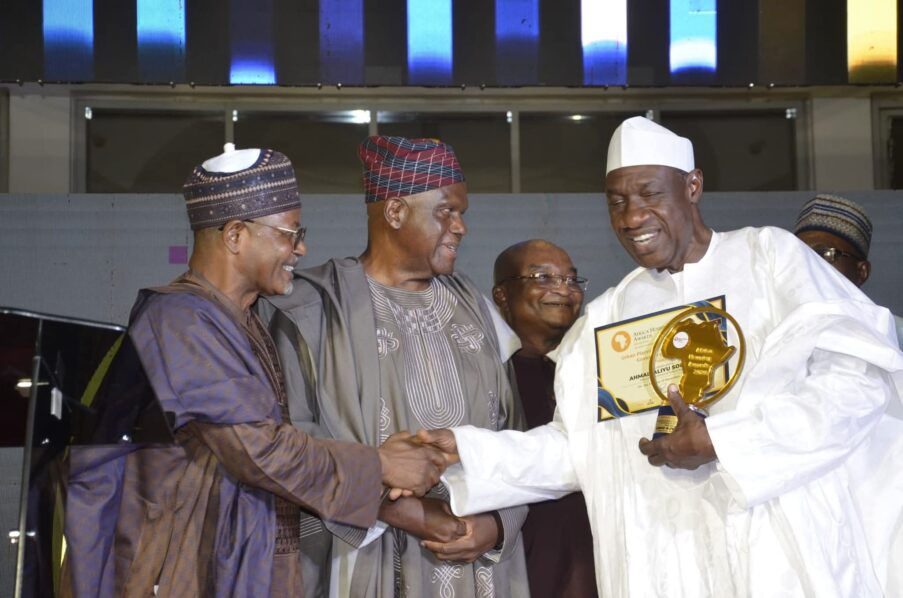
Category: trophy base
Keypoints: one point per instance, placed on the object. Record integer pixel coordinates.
(667, 419)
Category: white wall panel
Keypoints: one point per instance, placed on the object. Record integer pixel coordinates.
(87, 255)
(39, 141)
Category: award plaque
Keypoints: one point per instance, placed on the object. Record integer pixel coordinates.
(697, 339)
(623, 352)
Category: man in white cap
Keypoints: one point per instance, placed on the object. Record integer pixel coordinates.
(773, 493)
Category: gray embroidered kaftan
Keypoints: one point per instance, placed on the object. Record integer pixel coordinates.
(386, 360)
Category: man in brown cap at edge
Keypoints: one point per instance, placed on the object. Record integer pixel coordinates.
(218, 514)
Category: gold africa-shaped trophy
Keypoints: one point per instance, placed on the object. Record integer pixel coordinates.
(697, 338)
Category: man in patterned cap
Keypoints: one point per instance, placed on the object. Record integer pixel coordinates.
(839, 230)
(219, 513)
(397, 340)
(793, 483)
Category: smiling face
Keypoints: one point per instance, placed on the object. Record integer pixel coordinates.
(270, 257)
(654, 213)
(433, 227)
(531, 309)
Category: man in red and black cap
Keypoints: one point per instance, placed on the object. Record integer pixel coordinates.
(397, 340)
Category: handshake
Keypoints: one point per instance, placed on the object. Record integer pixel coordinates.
(412, 464)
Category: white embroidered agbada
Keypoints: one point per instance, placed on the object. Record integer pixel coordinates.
(805, 496)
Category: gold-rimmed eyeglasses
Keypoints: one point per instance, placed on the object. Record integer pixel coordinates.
(295, 235)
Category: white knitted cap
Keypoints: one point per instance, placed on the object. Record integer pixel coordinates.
(639, 141)
(231, 160)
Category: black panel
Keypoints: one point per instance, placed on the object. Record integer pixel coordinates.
(781, 48)
(297, 30)
(648, 35)
(21, 47)
(899, 40)
(560, 48)
(738, 33)
(826, 42)
(207, 33)
(473, 41)
(116, 41)
(385, 42)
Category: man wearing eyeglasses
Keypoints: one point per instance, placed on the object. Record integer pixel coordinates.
(839, 230)
(393, 340)
(219, 514)
(793, 483)
(539, 294)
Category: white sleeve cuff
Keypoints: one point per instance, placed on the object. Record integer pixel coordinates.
(374, 532)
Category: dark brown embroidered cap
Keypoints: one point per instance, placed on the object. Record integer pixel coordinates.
(214, 197)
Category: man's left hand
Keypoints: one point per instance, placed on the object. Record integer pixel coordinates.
(688, 446)
(482, 534)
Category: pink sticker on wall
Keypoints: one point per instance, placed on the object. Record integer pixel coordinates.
(178, 254)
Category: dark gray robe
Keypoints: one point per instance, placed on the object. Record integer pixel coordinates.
(326, 335)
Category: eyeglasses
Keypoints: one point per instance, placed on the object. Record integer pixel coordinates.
(830, 254)
(553, 281)
(296, 236)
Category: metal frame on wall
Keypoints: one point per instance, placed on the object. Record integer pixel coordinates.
(509, 103)
(885, 108)
(4, 141)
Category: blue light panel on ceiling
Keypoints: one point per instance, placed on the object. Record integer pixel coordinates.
(160, 27)
(430, 42)
(69, 40)
(517, 41)
(342, 41)
(694, 28)
(251, 41)
(603, 32)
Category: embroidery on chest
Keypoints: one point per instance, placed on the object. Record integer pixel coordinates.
(485, 587)
(445, 575)
(494, 410)
(385, 342)
(468, 337)
(385, 420)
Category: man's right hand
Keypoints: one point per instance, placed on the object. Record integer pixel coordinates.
(427, 518)
(444, 440)
(408, 464)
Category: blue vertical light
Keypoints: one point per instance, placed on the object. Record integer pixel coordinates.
(251, 41)
(517, 41)
(430, 42)
(603, 31)
(694, 28)
(69, 40)
(161, 39)
(342, 41)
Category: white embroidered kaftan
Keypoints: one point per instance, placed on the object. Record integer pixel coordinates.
(805, 497)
